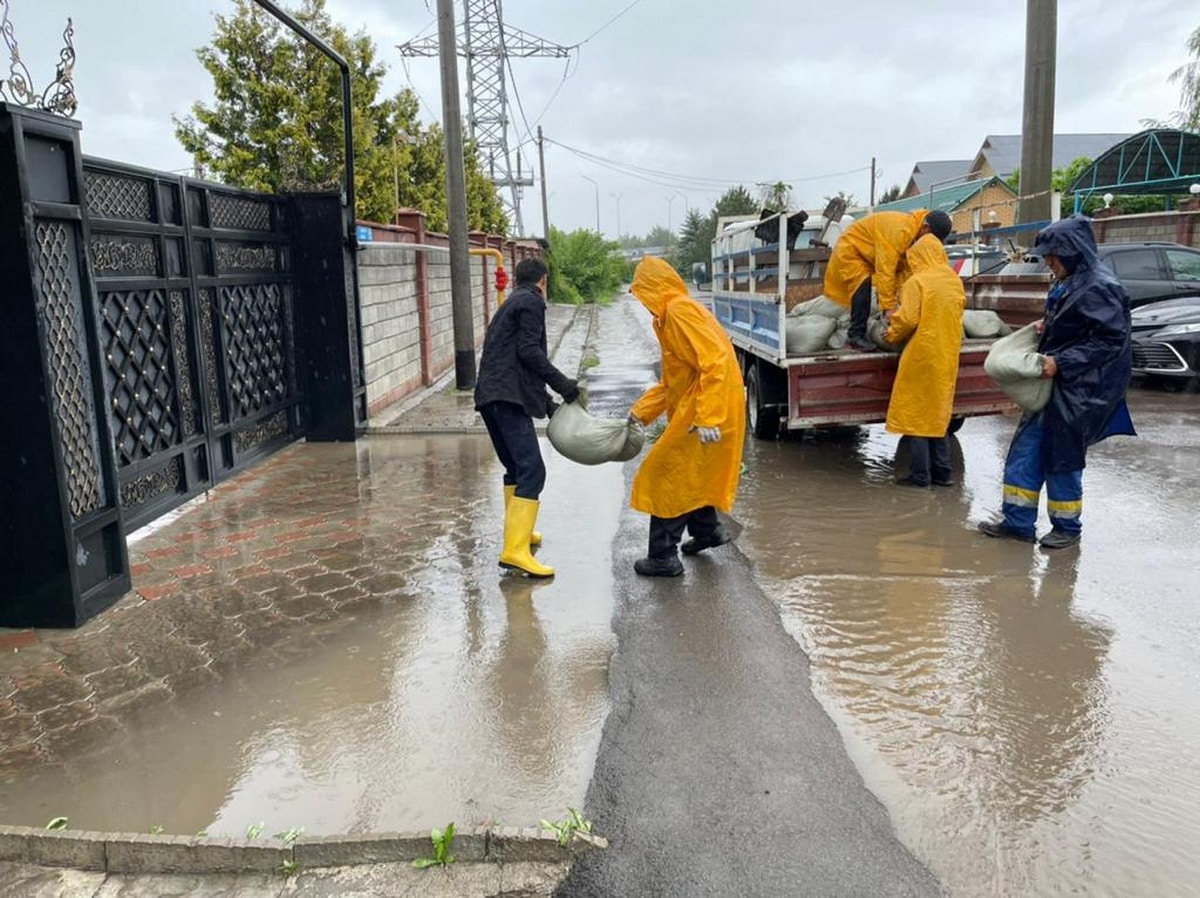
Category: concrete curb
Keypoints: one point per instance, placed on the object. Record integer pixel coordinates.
(135, 853)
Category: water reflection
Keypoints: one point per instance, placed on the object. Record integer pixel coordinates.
(978, 683)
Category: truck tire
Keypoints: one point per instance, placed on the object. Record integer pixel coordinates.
(763, 420)
(955, 425)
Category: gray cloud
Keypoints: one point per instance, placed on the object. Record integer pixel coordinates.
(718, 91)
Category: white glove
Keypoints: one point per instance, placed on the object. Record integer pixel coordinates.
(709, 434)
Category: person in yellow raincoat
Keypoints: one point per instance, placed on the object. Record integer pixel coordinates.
(693, 468)
(870, 252)
(929, 317)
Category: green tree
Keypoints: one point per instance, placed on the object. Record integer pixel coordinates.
(777, 197)
(1187, 76)
(584, 267)
(276, 123)
(891, 194)
(695, 243)
(660, 236)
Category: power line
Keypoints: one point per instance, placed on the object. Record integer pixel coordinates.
(679, 180)
(606, 24)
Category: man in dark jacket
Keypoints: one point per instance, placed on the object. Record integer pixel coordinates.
(1085, 348)
(514, 371)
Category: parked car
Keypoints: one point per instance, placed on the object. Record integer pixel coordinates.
(1149, 271)
(1166, 339)
(968, 261)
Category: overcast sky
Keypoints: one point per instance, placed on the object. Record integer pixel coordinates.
(716, 91)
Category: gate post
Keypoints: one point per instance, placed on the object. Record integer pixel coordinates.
(327, 320)
(62, 540)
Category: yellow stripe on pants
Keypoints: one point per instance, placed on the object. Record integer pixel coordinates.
(1016, 495)
(1070, 509)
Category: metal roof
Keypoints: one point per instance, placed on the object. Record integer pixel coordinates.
(947, 199)
(1003, 151)
(1162, 160)
(934, 171)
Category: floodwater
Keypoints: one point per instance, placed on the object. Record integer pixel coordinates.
(1029, 719)
(464, 696)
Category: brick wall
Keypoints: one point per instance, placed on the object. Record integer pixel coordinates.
(407, 310)
(1161, 227)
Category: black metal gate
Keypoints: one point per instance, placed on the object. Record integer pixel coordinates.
(196, 330)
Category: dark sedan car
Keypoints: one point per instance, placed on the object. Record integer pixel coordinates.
(1166, 339)
(1148, 271)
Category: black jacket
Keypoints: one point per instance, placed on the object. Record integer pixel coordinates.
(514, 366)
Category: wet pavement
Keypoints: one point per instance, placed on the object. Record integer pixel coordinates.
(1028, 718)
(326, 642)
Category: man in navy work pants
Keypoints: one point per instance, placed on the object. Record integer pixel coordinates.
(1085, 347)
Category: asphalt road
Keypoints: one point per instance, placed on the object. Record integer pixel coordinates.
(718, 773)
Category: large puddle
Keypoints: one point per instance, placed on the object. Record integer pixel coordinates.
(1029, 719)
(458, 695)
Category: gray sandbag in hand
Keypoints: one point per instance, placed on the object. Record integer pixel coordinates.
(984, 323)
(1015, 365)
(587, 440)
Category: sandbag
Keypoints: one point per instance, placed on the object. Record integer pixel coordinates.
(876, 328)
(826, 308)
(980, 323)
(1014, 364)
(837, 340)
(808, 333)
(587, 440)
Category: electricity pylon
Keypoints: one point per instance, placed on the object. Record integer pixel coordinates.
(487, 44)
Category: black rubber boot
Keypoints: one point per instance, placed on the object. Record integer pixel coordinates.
(659, 567)
(1059, 539)
(1000, 530)
(695, 545)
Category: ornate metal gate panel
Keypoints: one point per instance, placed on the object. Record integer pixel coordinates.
(196, 329)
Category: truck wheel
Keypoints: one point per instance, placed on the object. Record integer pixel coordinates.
(955, 425)
(763, 420)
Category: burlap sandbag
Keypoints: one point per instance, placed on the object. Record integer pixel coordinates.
(1014, 364)
(807, 334)
(587, 440)
(826, 308)
(982, 323)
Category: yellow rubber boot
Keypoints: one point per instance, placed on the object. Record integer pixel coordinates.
(535, 538)
(519, 518)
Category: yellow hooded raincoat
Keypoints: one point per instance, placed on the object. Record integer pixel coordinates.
(931, 314)
(873, 247)
(701, 386)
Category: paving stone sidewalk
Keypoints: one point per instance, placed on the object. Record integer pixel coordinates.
(259, 568)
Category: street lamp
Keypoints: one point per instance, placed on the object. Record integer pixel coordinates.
(617, 197)
(597, 186)
(1108, 198)
(670, 201)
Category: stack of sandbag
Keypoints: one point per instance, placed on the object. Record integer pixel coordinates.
(587, 440)
(1015, 365)
(984, 323)
(815, 325)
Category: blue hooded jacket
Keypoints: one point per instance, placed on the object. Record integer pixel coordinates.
(1087, 332)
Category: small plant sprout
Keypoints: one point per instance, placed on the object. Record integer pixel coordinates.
(57, 823)
(291, 835)
(564, 830)
(288, 867)
(254, 830)
(156, 830)
(443, 840)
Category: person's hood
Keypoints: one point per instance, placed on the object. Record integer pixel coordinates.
(1071, 240)
(656, 283)
(919, 216)
(927, 254)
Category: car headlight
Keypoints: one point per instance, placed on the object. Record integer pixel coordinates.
(1179, 330)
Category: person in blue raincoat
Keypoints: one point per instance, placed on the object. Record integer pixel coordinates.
(1085, 347)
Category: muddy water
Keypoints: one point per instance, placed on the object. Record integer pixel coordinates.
(1029, 719)
(460, 696)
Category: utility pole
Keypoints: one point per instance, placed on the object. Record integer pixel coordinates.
(456, 195)
(872, 182)
(595, 184)
(488, 44)
(1037, 121)
(617, 197)
(542, 172)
